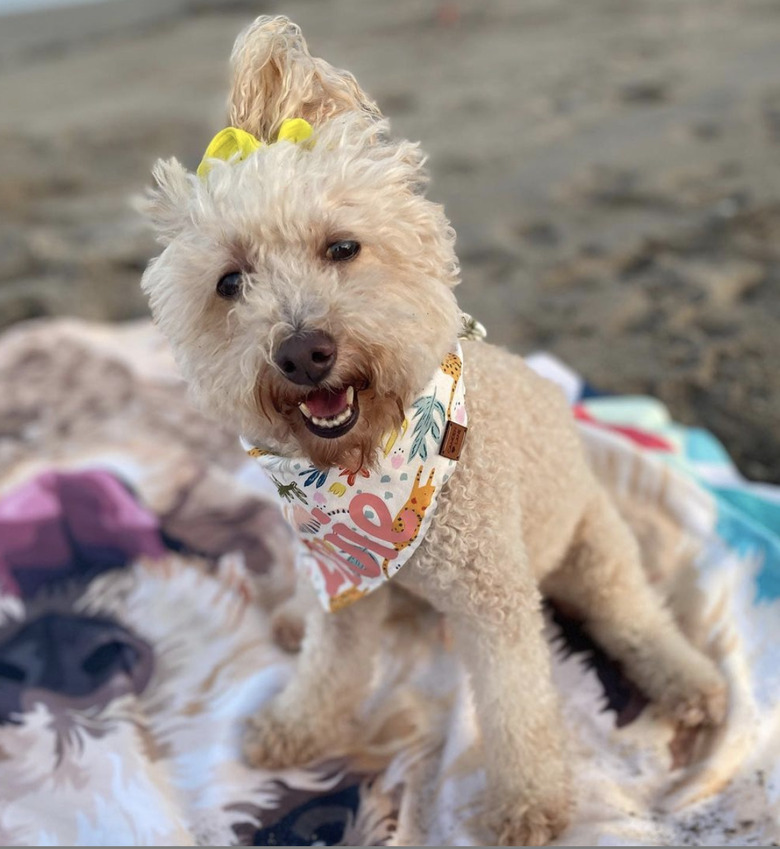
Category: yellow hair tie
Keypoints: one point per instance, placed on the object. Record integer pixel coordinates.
(295, 130)
(235, 143)
(225, 145)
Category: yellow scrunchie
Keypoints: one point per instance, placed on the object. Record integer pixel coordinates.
(233, 142)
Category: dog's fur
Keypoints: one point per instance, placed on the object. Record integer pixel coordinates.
(522, 515)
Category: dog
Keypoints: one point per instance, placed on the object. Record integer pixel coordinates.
(306, 287)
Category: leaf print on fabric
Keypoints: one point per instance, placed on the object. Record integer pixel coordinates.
(314, 476)
(427, 410)
(288, 491)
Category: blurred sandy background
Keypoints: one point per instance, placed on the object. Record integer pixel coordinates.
(612, 168)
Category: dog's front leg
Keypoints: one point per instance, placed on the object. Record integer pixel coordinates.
(315, 716)
(494, 609)
(528, 795)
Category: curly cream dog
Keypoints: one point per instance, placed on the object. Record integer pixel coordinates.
(323, 268)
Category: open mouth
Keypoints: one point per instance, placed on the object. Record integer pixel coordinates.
(328, 413)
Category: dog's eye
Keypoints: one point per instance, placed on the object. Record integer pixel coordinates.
(229, 286)
(342, 251)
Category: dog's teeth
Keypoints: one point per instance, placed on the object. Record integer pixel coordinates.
(332, 421)
(350, 396)
(305, 410)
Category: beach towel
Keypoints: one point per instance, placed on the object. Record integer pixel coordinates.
(139, 553)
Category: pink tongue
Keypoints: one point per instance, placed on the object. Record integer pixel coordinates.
(325, 405)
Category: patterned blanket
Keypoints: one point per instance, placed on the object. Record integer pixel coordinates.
(140, 556)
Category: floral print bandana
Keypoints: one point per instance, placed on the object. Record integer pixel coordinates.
(359, 528)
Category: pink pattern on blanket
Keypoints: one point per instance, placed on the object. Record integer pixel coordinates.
(636, 435)
(61, 525)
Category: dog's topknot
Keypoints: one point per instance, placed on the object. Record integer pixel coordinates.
(275, 77)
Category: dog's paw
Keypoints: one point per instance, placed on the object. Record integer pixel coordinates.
(534, 825)
(274, 742)
(698, 699)
(287, 630)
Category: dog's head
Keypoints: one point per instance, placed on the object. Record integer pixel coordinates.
(307, 289)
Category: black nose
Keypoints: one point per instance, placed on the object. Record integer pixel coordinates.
(83, 660)
(306, 358)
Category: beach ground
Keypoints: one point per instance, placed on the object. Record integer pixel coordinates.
(612, 168)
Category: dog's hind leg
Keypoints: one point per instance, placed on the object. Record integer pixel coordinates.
(316, 715)
(603, 579)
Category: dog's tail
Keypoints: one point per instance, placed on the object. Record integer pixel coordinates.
(276, 78)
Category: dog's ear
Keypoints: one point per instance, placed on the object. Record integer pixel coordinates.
(275, 78)
(165, 205)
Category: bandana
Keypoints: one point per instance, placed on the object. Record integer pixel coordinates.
(359, 528)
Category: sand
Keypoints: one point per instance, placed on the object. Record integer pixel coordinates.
(612, 168)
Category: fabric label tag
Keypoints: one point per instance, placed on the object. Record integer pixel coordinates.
(454, 438)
